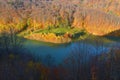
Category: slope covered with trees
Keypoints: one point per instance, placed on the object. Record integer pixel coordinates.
(94, 16)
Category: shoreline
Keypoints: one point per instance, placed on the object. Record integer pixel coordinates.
(53, 38)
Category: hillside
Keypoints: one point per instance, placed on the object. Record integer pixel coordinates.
(98, 17)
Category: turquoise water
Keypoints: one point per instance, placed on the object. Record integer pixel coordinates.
(93, 46)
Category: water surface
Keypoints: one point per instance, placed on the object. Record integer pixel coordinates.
(58, 52)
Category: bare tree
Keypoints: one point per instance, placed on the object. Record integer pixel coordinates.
(77, 64)
(10, 42)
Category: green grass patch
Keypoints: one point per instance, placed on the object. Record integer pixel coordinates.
(75, 32)
(62, 31)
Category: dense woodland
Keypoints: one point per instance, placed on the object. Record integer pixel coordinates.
(30, 15)
(97, 17)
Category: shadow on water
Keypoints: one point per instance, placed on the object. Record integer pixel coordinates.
(93, 45)
(81, 60)
(116, 39)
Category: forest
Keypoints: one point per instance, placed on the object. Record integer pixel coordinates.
(59, 39)
(29, 16)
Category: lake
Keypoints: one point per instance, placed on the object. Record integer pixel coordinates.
(93, 46)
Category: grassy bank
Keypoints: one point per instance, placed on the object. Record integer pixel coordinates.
(57, 35)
